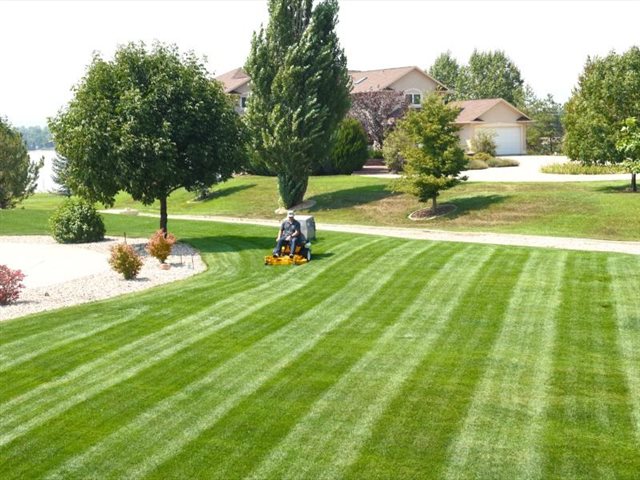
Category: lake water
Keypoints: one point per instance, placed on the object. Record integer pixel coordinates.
(45, 182)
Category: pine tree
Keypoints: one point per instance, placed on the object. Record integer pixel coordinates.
(300, 91)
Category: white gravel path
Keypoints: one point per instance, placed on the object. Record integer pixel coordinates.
(64, 275)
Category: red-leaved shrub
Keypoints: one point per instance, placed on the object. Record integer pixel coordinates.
(10, 284)
(125, 260)
(159, 245)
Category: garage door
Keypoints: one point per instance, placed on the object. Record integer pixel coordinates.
(508, 140)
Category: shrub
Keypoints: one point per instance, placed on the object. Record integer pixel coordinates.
(483, 142)
(350, 150)
(125, 260)
(375, 153)
(396, 141)
(576, 168)
(502, 162)
(475, 164)
(159, 245)
(483, 157)
(10, 284)
(76, 221)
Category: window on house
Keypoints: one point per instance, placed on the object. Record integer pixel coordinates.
(413, 98)
(243, 102)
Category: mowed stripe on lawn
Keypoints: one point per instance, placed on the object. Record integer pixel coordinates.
(182, 417)
(514, 387)
(626, 300)
(329, 438)
(46, 401)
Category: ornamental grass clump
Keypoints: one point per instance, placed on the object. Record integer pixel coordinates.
(160, 245)
(125, 260)
(10, 284)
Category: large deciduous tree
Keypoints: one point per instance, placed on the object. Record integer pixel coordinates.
(300, 91)
(446, 69)
(148, 122)
(629, 145)
(377, 112)
(608, 93)
(490, 75)
(18, 175)
(433, 157)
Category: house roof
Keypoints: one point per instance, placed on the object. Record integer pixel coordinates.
(472, 110)
(375, 80)
(234, 79)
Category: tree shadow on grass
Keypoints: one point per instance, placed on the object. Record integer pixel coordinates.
(226, 191)
(350, 197)
(469, 204)
(618, 188)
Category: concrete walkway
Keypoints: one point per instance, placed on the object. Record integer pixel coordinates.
(527, 171)
(536, 241)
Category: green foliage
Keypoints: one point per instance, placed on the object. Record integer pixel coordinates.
(350, 150)
(148, 122)
(10, 284)
(375, 153)
(60, 175)
(629, 145)
(397, 140)
(125, 260)
(482, 157)
(446, 70)
(608, 92)
(76, 221)
(490, 75)
(577, 168)
(433, 158)
(544, 135)
(18, 176)
(36, 137)
(300, 91)
(160, 245)
(484, 142)
(497, 162)
(476, 164)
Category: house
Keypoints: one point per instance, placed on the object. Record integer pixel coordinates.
(412, 81)
(497, 115)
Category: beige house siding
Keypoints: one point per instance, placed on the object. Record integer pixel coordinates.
(414, 81)
(501, 113)
(466, 134)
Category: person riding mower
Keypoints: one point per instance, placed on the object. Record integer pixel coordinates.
(291, 246)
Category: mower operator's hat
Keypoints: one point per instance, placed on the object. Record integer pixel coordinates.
(291, 213)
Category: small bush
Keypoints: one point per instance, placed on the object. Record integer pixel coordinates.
(395, 142)
(475, 164)
(375, 153)
(483, 157)
(125, 260)
(350, 151)
(484, 142)
(160, 245)
(502, 162)
(577, 168)
(10, 284)
(76, 221)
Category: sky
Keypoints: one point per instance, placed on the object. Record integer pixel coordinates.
(45, 46)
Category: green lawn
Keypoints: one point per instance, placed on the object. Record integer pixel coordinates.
(379, 359)
(597, 210)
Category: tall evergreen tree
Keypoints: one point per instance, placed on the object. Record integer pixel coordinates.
(300, 91)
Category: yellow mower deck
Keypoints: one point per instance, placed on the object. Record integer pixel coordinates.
(284, 260)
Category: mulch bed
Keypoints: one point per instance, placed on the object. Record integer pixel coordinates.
(429, 214)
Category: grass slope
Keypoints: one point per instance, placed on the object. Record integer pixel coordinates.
(379, 359)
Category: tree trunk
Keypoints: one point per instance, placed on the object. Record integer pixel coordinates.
(163, 214)
(435, 204)
(292, 188)
(634, 185)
